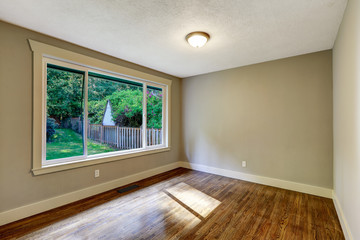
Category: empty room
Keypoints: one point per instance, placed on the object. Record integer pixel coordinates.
(185, 119)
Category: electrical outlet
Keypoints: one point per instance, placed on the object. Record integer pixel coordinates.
(243, 164)
(97, 173)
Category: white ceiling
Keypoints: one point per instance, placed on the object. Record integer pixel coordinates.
(152, 32)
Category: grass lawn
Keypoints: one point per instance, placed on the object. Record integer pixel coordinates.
(68, 143)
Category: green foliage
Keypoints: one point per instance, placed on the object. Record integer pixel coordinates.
(96, 111)
(65, 99)
(126, 102)
(100, 88)
(127, 107)
(154, 109)
(64, 94)
(51, 125)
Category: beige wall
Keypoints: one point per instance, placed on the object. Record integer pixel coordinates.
(277, 116)
(18, 186)
(346, 60)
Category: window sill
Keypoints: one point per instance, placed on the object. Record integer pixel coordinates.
(94, 161)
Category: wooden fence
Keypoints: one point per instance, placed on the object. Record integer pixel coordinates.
(123, 137)
(118, 137)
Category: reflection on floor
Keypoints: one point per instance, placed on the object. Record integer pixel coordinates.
(200, 203)
(185, 204)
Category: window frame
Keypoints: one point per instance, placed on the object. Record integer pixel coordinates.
(44, 54)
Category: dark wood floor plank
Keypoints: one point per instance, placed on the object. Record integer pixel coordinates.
(185, 204)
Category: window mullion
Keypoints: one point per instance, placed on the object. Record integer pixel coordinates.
(85, 123)
(144, 119)
(164, 117)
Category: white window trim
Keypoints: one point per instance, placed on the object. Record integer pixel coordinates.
(42, 52)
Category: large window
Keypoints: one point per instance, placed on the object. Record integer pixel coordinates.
(89, 111)
(110, 118)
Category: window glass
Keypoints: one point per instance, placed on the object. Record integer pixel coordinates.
(64, 112)
(154, 109)
(115, 109)
(109, 118)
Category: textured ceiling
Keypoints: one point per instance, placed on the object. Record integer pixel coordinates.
(152, 32)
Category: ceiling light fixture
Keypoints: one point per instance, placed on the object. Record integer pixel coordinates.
(197, 39)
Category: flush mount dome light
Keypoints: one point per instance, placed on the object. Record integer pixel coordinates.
(197, 39)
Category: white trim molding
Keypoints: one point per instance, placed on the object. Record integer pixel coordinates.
(47, 204)
(344, 225)
(44, 54)
(294, 186)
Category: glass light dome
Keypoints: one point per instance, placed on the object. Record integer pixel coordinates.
(197, 39)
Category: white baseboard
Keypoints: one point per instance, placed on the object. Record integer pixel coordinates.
(44, 205)
(294, 186)
(47, 204)
(344, 225)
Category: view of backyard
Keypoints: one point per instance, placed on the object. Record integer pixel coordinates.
(115, 114)
(68, 143)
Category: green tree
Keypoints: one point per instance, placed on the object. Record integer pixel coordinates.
(96, 110)
(65, 99)
(127, 107)
(154, 108)
(100, 88)
(51, 125)
(64, 94)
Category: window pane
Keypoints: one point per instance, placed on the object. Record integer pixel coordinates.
(64, 116)
(154, 129)
(114, 113)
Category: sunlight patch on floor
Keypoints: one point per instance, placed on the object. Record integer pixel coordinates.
(111, 220)
(196, 200)
(180, 205)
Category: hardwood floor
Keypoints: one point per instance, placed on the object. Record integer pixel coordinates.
(186, 204)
